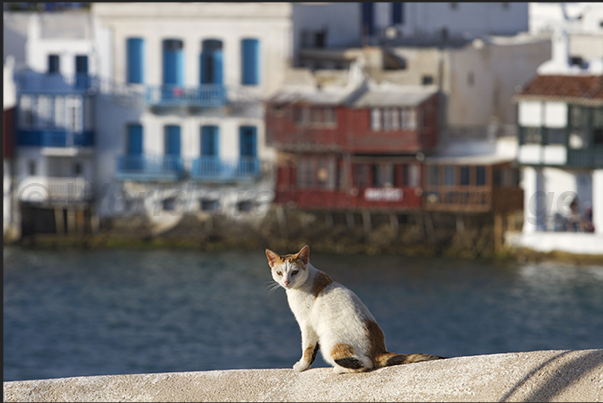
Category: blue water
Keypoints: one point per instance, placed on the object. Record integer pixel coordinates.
(77, 313)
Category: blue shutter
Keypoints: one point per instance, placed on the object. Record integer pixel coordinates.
(172, 140)
(248, 141)
(134, 139)
(173, 66)
(210, 141)
(81, 72)
(368, 18)
(397, 13)
(211, 63)
(135, 60)
(251, 61)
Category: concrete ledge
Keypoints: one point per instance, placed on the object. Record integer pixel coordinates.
(562, 375)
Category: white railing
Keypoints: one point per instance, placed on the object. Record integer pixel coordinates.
(40, 189)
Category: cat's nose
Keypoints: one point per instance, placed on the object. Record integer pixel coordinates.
(287, 282)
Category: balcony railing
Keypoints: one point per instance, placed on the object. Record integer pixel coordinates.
(171, 95)
(149, 167)
(42, 83)
(44, 189)
(216, 169)
(55, 138)
(591, 158)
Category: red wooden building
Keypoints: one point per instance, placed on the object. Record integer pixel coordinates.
(360, 149)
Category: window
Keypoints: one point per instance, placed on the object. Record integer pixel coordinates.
(209, 204)
(480, 176)
(407, 117)
(26, 116)
(368, 20)
(397, 13)
(248, 141)
(250, 57)
(77, 168)
(134, 139)
(375, 119)
(427, 80)
(74, 121)
(31, 168)
(88, 114)
(598, 126)
(304, 173)
(135, 60)
(465, 175)
(45, 112)
(211, 62)
(53, 64)
(555, 136)
(531, 135)
(361, 175)
(81, 70)
(330, 116)
(173, 63)
(414, 172)
(449, 175)
(433, 175)
(172, 140)
(387, 119)
(209, 141)
(60, 120)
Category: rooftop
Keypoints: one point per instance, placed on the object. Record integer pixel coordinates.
(564, 87)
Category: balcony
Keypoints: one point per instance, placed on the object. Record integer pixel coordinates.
(205, 96)
(44, 83)
(589, 158)
(214, 169)
(45, 189)
(55, 138)
(149, 168)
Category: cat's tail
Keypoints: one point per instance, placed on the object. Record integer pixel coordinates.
(389, 359)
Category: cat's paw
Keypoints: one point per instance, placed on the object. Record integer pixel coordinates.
(301, 365)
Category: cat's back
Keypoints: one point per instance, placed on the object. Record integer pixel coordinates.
(336, 302)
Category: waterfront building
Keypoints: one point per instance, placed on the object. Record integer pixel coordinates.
(352, 148)
(194, 140)
(55, 130)
(9, 229)
(560, 123)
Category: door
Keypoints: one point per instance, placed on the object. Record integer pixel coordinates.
(173, 67)
(172, 148)
(211, 62)
(82, 79)
(248, 149)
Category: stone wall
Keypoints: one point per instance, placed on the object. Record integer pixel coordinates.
(528, 376)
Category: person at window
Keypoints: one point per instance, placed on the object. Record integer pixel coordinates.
(574, 220)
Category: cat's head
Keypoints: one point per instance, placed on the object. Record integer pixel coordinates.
(290, 271)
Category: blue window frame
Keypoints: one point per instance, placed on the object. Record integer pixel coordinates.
(173, 63)
(250, 57)
(397, 13)
(81, 71)
(172, 140)
(368, 20)
(210, 136)
(135, 60)
(53, 64)
(134, 146)
(211, 62)
(248, 141)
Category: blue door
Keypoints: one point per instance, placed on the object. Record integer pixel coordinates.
(397, 13)
(248, 149)
(134, 146)
(209, 141)
(211, 62)
(134, 160)
(368, 20)
(135, 59)
(171, 160)
(173, 64)
(250, 49)
(81, 72)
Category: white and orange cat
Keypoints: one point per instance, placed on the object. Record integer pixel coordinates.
(332, 316)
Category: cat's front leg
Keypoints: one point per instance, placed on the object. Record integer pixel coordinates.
(309, 349)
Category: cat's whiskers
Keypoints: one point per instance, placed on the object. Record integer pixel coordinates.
(272, 285)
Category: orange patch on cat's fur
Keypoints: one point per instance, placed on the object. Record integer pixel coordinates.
(308, 353)
(321, 281)
(341, 350)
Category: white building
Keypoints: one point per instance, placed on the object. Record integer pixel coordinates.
(194, 140)
(560, 120)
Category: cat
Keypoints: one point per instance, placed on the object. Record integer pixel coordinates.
(331, 317)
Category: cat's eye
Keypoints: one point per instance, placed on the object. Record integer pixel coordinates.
(295, 272)
(280, 273)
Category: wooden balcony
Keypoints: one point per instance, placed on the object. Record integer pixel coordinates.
(479, 199)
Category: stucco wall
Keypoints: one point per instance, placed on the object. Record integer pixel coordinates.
(528, 376)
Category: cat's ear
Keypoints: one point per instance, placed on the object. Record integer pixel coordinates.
(273, 258)
(304, 254)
